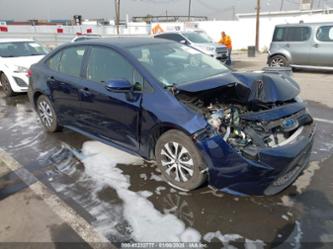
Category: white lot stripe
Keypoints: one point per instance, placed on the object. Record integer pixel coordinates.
(324, 120)
(66, 213)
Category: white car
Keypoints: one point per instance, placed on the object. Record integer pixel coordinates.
(16, 57)
(86, 37)
(198, 40)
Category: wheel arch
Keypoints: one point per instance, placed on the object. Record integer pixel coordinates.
(285, 55)
(35, 97)
(156, 132)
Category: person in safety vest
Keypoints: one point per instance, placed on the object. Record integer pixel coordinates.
(226, 41)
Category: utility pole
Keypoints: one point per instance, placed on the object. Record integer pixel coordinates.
(189, 9)
(117, 14)
(257, 25)
(233, 12)
(282, 4)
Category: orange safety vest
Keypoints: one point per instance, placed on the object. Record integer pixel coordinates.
(226, 41)
(157, 29)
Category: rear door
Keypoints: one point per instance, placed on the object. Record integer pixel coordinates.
(321, 53)
(111, 115)
(64, 82)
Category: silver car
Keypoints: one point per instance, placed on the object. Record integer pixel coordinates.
(198, 40)
(304, 45)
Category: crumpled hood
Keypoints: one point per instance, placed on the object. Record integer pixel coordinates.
(261, 87)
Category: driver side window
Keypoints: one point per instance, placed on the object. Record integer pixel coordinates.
(105, 64)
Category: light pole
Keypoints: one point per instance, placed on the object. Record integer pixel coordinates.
(258, 25)
(117, 14)
(189, 9)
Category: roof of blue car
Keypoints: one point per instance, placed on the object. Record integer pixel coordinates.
(125, 42)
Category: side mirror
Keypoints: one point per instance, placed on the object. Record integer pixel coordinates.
(118, 85)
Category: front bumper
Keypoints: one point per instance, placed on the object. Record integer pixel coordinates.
(274, 170)
(19, 82)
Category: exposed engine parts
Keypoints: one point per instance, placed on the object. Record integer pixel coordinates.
(235, 122)
(225, 119)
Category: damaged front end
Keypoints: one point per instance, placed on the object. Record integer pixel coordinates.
(259, 135)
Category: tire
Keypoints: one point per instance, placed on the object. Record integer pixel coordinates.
(180, 161)
(278, 61)
(47, 114)
(7, 89)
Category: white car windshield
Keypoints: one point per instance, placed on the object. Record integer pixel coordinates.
(198, 37)
(175, 64)
(16, 49)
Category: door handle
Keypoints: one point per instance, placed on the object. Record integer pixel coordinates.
(316, 45)
(287, 45)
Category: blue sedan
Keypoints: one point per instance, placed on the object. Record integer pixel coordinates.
(244, 133)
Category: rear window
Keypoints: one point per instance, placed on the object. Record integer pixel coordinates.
(292, 34)
(325, 33)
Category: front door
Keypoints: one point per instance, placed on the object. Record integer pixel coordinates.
(111, 115)
(321, 53)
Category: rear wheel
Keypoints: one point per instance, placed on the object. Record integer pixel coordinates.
(7, 89)
(278, 61)
(180, 161)
(47, 114)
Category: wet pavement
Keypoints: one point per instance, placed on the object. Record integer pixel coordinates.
(126, 200)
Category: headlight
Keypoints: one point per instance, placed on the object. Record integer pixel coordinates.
(20, 69)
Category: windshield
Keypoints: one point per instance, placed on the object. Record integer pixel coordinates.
(16, 49)
(174, 64)
(198, 37)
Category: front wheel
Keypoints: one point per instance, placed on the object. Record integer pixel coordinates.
(47, 114)
(278, 61)
(180, 161)
(7, 89)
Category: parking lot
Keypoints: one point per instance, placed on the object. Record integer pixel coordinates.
(61, 188)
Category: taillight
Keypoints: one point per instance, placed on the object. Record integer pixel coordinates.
(29, 73)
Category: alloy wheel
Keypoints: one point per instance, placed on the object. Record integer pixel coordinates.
(277, 62)
(177, 162)
(45, 113)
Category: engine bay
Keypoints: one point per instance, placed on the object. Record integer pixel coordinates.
(230, 119)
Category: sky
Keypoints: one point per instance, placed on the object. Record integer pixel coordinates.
(65, 9)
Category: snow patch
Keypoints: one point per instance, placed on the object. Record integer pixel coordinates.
(143, 176)
(145, 194)
(156, 177)
(287, 201)
(285, 217)
(227, 238)
(147, 223)
(159, 189)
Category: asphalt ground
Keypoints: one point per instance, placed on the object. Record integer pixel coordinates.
(62, 189)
